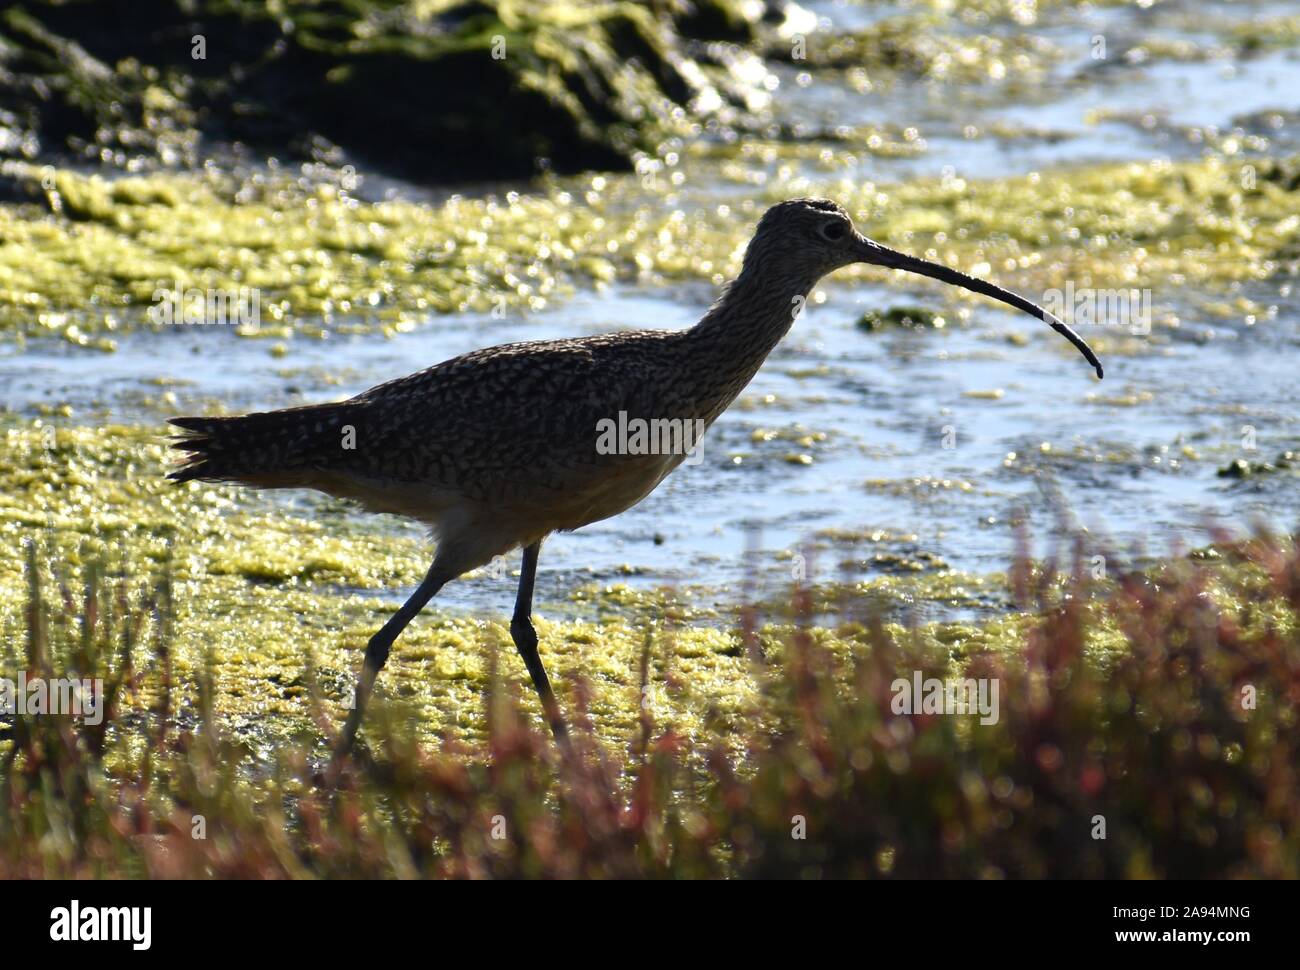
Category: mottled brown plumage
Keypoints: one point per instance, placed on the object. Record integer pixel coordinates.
(498, 448)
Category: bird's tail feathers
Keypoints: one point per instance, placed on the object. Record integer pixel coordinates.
(272, 449)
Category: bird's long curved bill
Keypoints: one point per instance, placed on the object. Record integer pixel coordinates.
(879, 255)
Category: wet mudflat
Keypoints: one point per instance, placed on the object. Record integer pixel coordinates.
(899, 457)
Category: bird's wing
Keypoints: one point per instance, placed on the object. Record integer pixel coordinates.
(521, 413)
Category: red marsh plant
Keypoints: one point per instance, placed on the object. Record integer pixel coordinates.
(1146, 728)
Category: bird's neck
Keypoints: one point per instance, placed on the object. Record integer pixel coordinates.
(734, 338)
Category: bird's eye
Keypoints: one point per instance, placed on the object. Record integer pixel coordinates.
(833, 230)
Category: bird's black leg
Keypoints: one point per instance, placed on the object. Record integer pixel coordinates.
(525, 637)
(378, 647)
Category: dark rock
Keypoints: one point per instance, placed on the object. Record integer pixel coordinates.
(477, 91)
(900, 317)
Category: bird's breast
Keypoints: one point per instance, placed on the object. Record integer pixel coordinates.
(583, 495)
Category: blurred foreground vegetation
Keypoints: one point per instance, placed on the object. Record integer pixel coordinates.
(1182, 743)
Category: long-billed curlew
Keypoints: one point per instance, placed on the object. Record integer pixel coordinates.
(500, 447)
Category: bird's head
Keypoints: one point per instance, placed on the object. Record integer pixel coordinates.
(812, 237)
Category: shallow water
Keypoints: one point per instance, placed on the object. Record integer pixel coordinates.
(1057, 113)
(883, 401)
(1134, 459)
